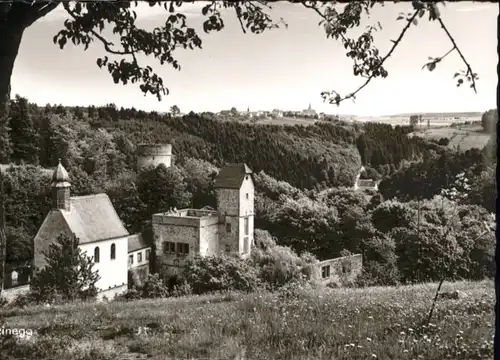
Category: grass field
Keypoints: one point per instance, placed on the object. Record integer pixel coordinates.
(375, 323)
(286, 121)
(467, 137)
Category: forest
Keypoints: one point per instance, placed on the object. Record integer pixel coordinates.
(431, 218)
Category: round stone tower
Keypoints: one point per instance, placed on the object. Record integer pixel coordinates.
(153, 155)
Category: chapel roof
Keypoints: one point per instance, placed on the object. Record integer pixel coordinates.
(60, 174)
(93, 218)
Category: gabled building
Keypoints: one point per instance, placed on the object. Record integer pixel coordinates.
(94, 221)
(182, 235)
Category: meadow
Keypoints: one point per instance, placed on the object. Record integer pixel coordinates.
(291, 121)
(465, 137)
(370, 323)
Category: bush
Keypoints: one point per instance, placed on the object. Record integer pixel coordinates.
(154, 287)
(278, 265)
(182, 289)
(27, 299)
(444, 141)
(391, 214)
(220, 273)
(129, 295)
(379, 274)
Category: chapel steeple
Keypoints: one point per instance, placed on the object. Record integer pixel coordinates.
(61, 188)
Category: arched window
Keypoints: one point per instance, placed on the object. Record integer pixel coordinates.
(113, 252)
(96, 254)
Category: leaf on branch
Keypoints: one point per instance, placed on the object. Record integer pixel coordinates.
(62, 42)
(415, 22)
(431, 66)
(456, 74)
(400, 17)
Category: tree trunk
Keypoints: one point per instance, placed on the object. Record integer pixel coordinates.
(10, 39)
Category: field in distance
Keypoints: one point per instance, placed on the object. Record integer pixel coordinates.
(282, 121)
(466, 136)
(371, 323)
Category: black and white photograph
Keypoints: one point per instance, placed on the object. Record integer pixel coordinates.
(296, 180)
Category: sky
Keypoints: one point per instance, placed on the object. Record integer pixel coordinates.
(285, 68)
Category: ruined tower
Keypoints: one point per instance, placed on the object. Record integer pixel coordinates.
(153, 155)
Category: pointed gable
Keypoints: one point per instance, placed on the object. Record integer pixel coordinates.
(231, 176)
(93, 218)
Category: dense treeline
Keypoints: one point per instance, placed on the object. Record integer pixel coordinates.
(425, 179)
(303, 176)
(318, 156)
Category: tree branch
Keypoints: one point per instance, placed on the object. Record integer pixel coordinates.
(107, 44)
(238, 15)
(469, 69)
(320, 14)
(394, 46)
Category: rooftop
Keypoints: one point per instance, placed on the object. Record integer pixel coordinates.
(231, 176)
(136, 242)
(93, 218)
(60, 174)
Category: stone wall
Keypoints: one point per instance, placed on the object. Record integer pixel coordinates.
(209, 239)
(339, 271)
(228, 201)
(12, 293)
(112, 292)
(174, 233)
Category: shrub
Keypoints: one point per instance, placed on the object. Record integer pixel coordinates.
(154, 287)
(278, 265)
(129, 295)
(182, 289)
(27, 299)
(379, 274)
(220, 273)
(391, 214)
(444, 141)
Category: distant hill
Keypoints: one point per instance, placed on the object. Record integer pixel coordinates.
(443, 114)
